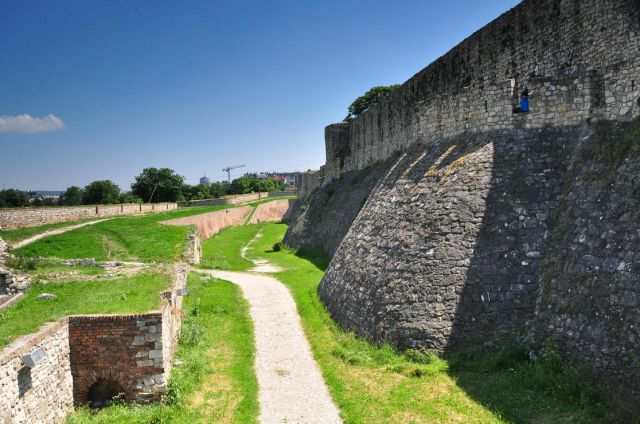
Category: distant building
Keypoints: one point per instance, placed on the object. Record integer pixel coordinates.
(205, 180)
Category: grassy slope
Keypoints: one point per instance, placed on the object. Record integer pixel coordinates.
(216, 382)
(378, 384)
(223, 250)
(12, 236)
(130, 238)
(126, 295)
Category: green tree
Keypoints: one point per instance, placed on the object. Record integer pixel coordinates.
(242, 185)
(129, 197)
(219, 189)
(72, 196)
(101, 192)
(12, 198)
(370, 98)
(158, 185)
(196, 192)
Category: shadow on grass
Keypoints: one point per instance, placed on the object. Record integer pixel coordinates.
(317, 257)
(523, 387)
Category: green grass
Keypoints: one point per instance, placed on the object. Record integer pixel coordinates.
(129, 238)
(372, 383)
(216, 382)
(132, 238)
(222, 251)
(12, 236)
(38, 268)
(139, 293)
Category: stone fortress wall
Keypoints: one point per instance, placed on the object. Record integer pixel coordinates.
(133, 350)
(494, 225)
(11, 219)
(579, 60)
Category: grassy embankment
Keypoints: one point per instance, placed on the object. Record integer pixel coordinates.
(215, 382)
(12, 236)
(128, 238)
(139, 293)
(372, 383)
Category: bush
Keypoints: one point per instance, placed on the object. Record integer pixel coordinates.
(22, 263)
(13, 198)
(371, 98)
(101, 192)
(281, 247)
(191, 333)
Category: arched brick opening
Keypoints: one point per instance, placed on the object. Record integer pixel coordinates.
(85, 383)
(104, 392)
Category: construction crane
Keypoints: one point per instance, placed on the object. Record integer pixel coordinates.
(228, 170)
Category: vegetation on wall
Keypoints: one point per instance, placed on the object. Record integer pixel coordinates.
(370, 98)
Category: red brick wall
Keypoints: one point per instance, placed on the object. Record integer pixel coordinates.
(123, 348)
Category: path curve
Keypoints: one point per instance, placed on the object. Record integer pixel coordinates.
(291, 387)
(57, 231)
(260, 265)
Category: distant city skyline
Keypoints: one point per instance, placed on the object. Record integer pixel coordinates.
(102, 89)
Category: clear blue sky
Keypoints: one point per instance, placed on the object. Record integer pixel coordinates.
(197, 85)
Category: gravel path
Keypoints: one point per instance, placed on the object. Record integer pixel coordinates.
(37, 237)
(291, 388)
(260, 265)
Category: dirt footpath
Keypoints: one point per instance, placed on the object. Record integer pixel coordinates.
(291, 387)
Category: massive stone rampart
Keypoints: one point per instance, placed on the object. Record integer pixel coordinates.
(11, 219)
(579, 60)
(502, 236)
(322, 215)
(495, 225)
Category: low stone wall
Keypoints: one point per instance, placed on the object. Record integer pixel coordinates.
(239, 198)
(281, 193)
(9, 300)
(276, 210)
(11, 219)
(212, 223)
(193, 247)
(230, 200)
(135, 351)
(44, 393)
(11, 283)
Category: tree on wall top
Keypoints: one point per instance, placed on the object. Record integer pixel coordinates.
(370, 98)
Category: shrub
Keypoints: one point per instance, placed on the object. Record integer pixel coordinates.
(371, 98)
(22, 263)
(191, 334)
